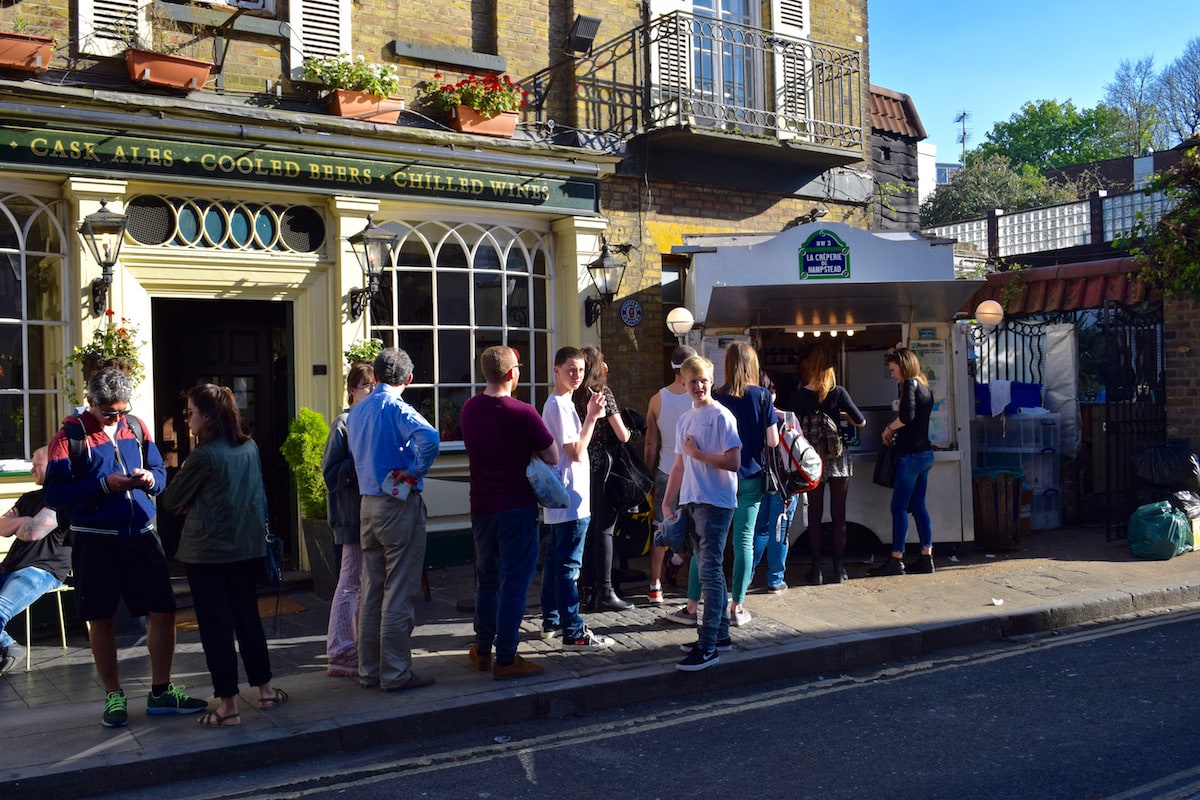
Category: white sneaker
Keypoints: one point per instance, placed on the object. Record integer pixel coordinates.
(586, 640)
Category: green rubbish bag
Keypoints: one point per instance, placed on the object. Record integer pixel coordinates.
(1159, 531)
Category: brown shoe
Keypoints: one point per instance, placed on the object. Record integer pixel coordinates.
(519, 668)
(482, 663)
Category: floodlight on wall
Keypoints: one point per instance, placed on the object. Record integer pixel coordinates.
(372, 247)
(582, 35)
(680, 322)
(607, 273)
(989, 313)
(103, 232)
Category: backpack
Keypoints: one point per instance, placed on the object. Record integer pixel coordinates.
(823, 432)
(77, 452)
(794, 466)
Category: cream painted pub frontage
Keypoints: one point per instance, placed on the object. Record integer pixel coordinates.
(236, 265)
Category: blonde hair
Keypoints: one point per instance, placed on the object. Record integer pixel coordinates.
(696, 365)
(741, 369)
(818, 370)
(910, 365)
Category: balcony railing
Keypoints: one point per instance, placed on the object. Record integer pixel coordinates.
(686, 71)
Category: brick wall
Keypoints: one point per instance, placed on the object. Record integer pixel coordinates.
(1181, 317)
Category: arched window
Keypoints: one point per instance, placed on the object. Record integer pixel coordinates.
(32, 320)
(453, 290)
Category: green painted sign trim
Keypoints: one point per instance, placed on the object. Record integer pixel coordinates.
(824, 256)
(80, 152)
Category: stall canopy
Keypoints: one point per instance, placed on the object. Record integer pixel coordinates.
(822, 274)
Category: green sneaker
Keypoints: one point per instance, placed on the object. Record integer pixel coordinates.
(115, 715)
(174, 701)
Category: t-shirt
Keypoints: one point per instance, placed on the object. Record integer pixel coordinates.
(564, 424)
(501, 433)
(754, 415)
(51, 552)
(715, 431)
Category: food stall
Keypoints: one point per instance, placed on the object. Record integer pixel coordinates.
(863, 292)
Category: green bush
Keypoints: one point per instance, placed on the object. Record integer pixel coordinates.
(303, 450)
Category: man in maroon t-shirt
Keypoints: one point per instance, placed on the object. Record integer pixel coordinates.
(501, 434)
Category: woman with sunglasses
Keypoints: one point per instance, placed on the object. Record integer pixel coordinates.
(341, 638)
(220, 488)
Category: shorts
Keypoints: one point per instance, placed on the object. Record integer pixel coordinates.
(660, 491)
(111, 568)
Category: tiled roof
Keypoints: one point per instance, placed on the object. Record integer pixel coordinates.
(1066, 287)
(893, 112)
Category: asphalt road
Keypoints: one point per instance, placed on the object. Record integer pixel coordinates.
(1104, 712)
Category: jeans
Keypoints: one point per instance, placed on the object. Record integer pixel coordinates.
(393, 551)
(908, 496)
(225, 599)
(560, 576)
(341, 637)
(506, 551)
(18, 590)
(711, 525)
(745, 516)
(765, 540)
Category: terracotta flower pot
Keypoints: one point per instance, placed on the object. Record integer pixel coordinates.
(161, 69)
(365, 107)
(24, 52)
(467, 120)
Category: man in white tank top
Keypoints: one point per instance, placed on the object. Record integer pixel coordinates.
(666, 406)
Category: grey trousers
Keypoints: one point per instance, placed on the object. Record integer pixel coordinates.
(393, 552)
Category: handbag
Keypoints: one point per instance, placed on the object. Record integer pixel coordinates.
(885, 466)
(272, 563)
(547, 484)
(628, 480)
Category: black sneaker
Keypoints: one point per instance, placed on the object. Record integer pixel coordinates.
(839, 572)
(723, 646)
(174, 701)
(697, 660)
(9, 656)
(921, 565)
(814, 577)
(115, 713)
(893, 566)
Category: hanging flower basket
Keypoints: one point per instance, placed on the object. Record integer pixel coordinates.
(162, 69)
(365, 107)
(467, 120)
(24, 52)
(114, 345)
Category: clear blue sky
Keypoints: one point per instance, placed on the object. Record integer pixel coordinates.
(990, 58)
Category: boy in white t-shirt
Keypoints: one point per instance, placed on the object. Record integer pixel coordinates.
(568, 526)
(703, 478)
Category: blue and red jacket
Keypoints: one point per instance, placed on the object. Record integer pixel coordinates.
(84, 497)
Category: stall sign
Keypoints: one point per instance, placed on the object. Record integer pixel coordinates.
(824, 255)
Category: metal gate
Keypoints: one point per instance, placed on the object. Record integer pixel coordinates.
(1135, 406)
(1013, 351)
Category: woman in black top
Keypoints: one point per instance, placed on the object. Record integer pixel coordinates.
(909, 435)
(822, 395)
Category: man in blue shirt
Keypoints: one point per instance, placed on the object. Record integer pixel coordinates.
(393, 448)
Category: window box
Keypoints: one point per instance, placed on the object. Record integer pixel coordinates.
(467, 120)
(24, 52)
(161, 69)
(365, 107)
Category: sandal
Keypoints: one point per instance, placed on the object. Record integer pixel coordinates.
(268, 703)
(213, 719)
(341, 672)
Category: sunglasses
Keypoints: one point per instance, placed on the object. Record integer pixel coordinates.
(112, 414)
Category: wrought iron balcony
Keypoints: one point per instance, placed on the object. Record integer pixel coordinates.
(688, 72)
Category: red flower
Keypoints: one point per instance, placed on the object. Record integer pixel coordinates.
(109, 313)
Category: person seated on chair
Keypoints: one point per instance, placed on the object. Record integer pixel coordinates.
(38, 561)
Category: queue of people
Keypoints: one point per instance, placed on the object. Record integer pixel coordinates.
(94, 516)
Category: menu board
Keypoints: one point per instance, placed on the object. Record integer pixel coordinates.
(935, 363)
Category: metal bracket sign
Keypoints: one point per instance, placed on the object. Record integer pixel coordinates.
(823, 256)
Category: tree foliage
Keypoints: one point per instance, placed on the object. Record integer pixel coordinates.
(1132, 93)
(1179, 93)
(1170, 252)
(987, 183)
(1049, 134)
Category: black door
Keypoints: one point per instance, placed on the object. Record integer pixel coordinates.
(242, 344)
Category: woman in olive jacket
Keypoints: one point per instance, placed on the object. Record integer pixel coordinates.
(220, 488)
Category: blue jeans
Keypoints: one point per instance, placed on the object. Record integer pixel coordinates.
(711, 525)
(908, 496)
(560, 576)
(18, 590)
(506, 551)
(765, 540)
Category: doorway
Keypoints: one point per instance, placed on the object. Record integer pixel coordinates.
(242, 344)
